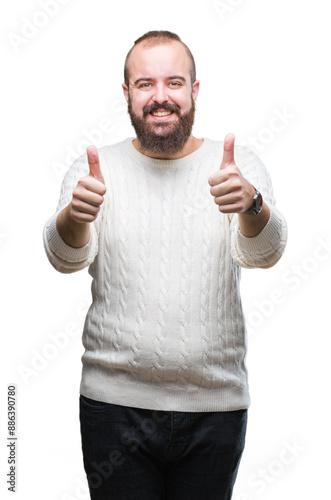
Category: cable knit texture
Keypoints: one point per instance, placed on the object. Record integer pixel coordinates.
(166, 330)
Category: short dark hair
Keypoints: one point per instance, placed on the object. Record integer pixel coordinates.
(157, 38)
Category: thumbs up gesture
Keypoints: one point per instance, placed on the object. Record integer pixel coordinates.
(87, 197)
(233, 194)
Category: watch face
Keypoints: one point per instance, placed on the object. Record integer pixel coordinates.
(258, 203)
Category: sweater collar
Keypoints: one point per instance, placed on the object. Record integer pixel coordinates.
(159, 163)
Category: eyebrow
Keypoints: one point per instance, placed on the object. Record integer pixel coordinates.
(175, 77)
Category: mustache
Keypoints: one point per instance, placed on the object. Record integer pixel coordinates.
(154, 107)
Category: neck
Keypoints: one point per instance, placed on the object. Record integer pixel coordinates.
(191, 145)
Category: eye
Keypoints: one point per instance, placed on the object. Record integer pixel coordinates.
(145, 85)
(175, 84)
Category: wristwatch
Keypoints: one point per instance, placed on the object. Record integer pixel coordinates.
(257, 204)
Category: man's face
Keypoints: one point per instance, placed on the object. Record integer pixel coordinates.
(161, 98)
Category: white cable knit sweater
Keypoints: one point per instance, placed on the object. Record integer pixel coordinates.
(166, 329)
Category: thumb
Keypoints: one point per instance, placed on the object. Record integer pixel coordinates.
(228, 153)
(94, 163)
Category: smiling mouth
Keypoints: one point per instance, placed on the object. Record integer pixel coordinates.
(161, 113)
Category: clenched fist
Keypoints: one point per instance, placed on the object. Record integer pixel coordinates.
(87, 197)
(73, 223)
(233, 194)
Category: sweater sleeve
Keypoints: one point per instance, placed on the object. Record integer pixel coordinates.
(265, 249)
(63, 257)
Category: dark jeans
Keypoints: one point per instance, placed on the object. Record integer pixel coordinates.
(136, 454)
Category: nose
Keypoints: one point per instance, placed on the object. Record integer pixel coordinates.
(160, 94)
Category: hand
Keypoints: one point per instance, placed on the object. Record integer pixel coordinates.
(87, 197)
(233, 194)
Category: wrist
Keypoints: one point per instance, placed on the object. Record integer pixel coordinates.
(251, 226)
(75, 234)
(256, 206)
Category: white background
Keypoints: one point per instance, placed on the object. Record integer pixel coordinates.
(61, 77)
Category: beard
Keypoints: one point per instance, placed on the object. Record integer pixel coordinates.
(162, 138)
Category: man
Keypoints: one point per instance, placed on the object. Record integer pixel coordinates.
(164, 221)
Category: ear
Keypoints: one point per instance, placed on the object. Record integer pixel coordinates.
(195, 89)
(125, 91)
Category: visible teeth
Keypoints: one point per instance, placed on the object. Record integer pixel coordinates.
(161, 113)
